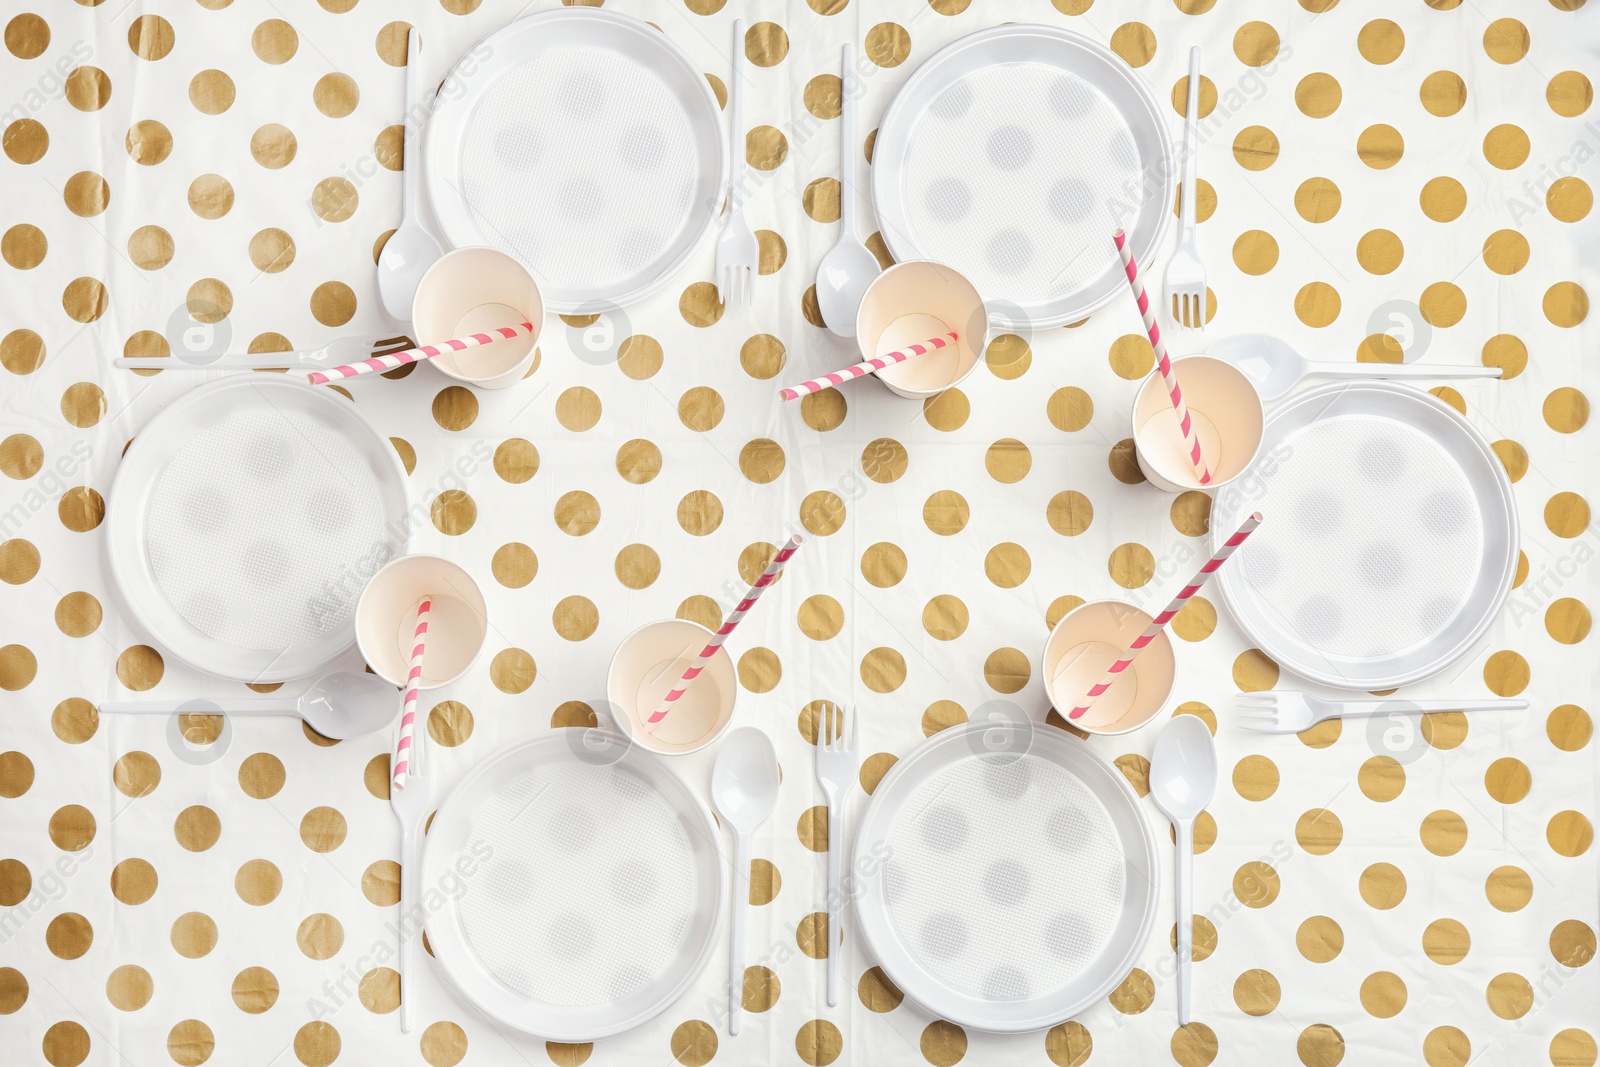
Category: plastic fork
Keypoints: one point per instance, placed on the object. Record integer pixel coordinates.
(336, 352)
(738, 254)
(1290, 711)
(837, 760)
(411, 806)
(1186, 275)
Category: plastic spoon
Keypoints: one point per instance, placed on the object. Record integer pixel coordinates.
(410, 250)
(848, 268)
(744, 787)
(1275, 368)
(1183, 777)
(338, 705)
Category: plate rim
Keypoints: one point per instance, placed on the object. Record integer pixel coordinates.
(122, 543)
(446, 946)
(1228, 578)
(912, 765)
(433, 149)
(1145, 252)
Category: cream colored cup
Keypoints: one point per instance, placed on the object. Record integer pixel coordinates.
(1088, 640)
(386, 620)
(471, 290)
(912, 302)
(1224, 409)
(648, 664)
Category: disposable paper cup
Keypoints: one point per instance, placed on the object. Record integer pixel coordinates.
(386, 620)
(1088, 640)
(472, 290)
(648, 665)
(912, 302)
(1226, 413)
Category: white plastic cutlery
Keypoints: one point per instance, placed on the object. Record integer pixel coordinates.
(1183, 778)
(848, 268)
(411, 249)
(1186, 274)
(744, 787)
(338, 705)
(411, 806)
(738, 253)
(837, 758)
(1276, 368)
(1288, 711)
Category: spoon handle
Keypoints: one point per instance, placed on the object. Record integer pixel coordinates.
(847, 143)
(1398, 370)
(409, 163)
(230, 706)
(1185, 901)
(741, 904)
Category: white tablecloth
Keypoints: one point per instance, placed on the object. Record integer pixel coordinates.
(1380, 897)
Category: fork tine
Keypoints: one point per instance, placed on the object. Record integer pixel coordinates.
(1260, 728)
(855, 720)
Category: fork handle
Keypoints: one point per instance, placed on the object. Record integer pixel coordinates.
(1400, 706)
(736, 116)
(835, 899)
(1191, 122)
(410, 898)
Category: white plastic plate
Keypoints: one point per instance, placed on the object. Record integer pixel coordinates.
(1388, 540)
(1007, 876)
(585, 144)
(1011, 155)
(580, 886)
(244, 521)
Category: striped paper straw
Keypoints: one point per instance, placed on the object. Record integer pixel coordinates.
(876, 363)
(1162, 361)
(768, 576)
(408, 715)
(413, 355)
(1160, 621)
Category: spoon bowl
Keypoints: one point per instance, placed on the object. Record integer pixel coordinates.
(842, 280)
(1183, 768)
(405, 258)
(347, 704)
(744, 781)
(1267, 361)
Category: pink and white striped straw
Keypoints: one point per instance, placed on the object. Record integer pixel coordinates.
(876, 363)
(1165, 364)
(414, 355)
(408, 715)
(1160, 621)
(768, 576)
